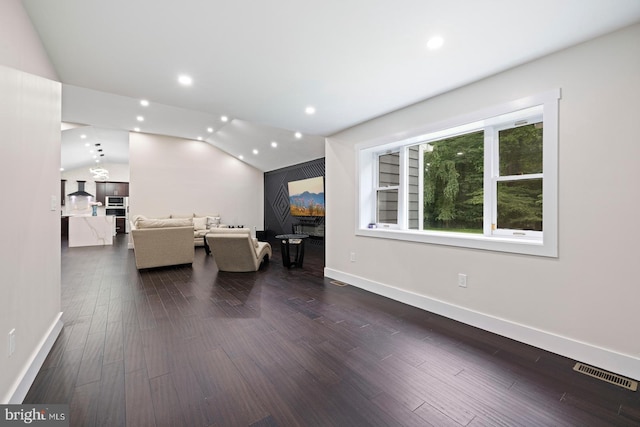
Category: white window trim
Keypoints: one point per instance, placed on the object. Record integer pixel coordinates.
(421, 188)
(529, 245)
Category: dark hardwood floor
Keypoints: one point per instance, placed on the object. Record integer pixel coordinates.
(191, 346)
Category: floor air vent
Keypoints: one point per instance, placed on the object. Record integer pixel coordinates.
(338, 283)
(606, 376)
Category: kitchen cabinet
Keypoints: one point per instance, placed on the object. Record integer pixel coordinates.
(64, 227)
(110, 188)
(121, 225)
(101, 192)
(63, 193)
(117, 189)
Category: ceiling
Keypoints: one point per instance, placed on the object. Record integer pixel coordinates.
(262, 63)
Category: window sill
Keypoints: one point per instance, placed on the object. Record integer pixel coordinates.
(500, 244)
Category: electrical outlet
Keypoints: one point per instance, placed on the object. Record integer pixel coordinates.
(12, 341)
(462, 280)
(353, 257)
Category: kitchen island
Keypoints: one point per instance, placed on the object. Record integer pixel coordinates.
(87, 230)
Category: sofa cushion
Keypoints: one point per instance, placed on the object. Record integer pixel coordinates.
(200, 223)
(226, 230)
(162, 223)
(180, 216)
(137, 218)
(207, 214)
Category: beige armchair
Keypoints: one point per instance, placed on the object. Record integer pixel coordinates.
(235, 250)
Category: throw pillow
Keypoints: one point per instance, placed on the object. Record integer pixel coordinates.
(213, 221)
(200, 223)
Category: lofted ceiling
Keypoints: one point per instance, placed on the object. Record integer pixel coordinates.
(262, 63)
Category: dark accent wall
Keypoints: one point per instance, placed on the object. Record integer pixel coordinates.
(277, 219)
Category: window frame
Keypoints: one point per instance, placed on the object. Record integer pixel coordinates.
(492, 175)
(543, 243)
(395, 188)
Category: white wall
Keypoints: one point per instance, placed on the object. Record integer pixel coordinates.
(30, 113)
(30, 245)
(178, 176)
(583, 304)
(20, 45)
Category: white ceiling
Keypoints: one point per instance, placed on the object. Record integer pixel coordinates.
(262, 62)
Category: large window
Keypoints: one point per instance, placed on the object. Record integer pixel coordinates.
(487, 180)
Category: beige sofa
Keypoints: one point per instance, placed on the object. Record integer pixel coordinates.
(235, 250)
(161, 243)
(201, 224)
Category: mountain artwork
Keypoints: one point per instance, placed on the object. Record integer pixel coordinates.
(306, 197)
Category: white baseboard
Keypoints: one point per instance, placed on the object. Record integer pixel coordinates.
(622, 364)
(25, 380)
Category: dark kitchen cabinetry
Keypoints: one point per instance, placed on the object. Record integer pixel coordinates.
(121, 224)
(110, 188)
(101, 192)
(64, 227)
(63, 193)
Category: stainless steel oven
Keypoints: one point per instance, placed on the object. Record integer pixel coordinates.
(118, 206)
(122, 212)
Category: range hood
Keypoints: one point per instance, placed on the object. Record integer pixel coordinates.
(81, 191)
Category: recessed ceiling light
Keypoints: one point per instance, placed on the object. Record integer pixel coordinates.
(90, 151)
(87, 144)
(224, 118)
(136, 129)
(310, 110)
(255, 151)
(435, 43)
(298, 135)
(185, 80)
(97, 160)
(199, 138)
(210, 130)
(241, 157)
(83, 136)
(144, 102)
(140, 119)
(61, 169)
(274, 144)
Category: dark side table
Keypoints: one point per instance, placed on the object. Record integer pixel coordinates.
(287, 244)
